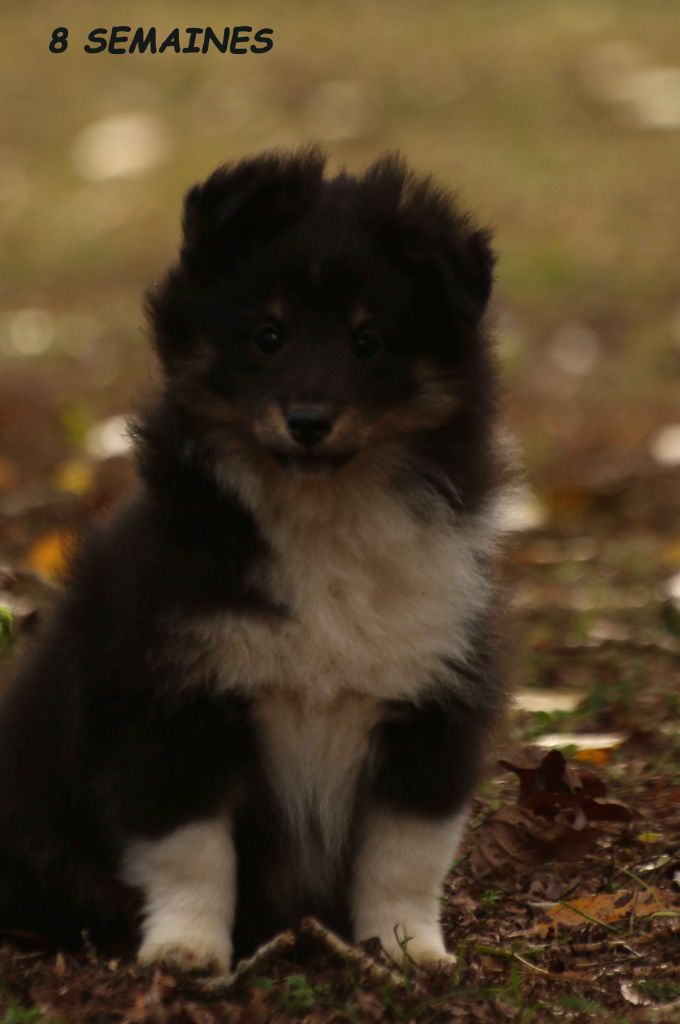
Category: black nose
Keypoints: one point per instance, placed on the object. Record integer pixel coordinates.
(309, 424)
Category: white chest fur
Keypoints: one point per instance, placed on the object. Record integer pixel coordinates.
(376, 598)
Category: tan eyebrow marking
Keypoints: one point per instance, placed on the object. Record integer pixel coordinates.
(359, 317)
(277, 309)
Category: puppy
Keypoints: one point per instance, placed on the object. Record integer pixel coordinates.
(267, 687)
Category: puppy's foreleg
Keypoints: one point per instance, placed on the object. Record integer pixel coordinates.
(188, 879)
(399, 874)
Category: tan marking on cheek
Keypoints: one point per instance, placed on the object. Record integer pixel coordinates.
(348, 432)
(270, 425)
(431, 406)
(208, 407)
(435, 400)
(273, 416)
(188, 387)
(189, 368)
(213, 409)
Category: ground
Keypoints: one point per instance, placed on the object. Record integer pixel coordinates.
(559, 122)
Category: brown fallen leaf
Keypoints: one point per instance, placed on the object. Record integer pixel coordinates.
(605, 907)
(549, 786)
(556, 806)
(48, 556)
(594, 755)
(513, 838)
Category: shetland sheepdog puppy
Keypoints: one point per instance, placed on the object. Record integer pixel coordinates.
(266, 689)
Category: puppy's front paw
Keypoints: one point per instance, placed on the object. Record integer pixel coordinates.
(430, 958)
(187, 955)
(423, 948)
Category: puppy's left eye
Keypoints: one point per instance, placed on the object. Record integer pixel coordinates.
(366, 344)
(268, 339)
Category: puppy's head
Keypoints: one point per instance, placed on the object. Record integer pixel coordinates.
(311, 322)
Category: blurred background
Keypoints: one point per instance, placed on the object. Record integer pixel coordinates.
(558, 123)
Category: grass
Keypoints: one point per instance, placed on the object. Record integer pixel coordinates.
(491, 897)
(300, 995)
(6, 629)
(14, 1013)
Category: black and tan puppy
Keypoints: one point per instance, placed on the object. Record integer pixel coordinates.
(267, 687)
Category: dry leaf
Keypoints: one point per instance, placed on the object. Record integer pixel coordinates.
(557, 804)
(48, 556)
(514, 838)
(606, 907)
(594, 755)
(631, 994)
(549, 786)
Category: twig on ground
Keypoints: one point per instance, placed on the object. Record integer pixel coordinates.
(658, 971)
(281, 943)
(609, 945)
(617, 644)
(528, 963)
(352, 954)
(510, 954)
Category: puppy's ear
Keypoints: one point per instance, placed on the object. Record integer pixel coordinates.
(480, 261)
(424, 225)
(248, 201)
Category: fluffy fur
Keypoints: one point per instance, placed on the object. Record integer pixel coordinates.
(267, 687)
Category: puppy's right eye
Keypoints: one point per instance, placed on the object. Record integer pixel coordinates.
(268, 339)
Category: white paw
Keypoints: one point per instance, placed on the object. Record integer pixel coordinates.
(425, 949)
(186, 955)
(430, 958)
